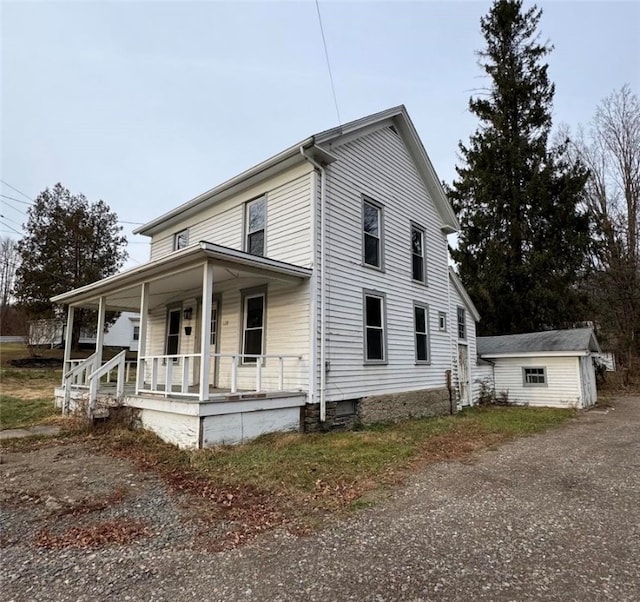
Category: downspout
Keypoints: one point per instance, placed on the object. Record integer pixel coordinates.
(323, 351)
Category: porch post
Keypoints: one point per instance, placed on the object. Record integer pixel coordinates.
(142, 336)
(100, 332)
(205, 335)
(67, 341)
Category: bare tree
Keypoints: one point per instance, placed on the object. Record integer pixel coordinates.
(8, 265)
(611, 151)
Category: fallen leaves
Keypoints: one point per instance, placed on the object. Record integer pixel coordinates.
(94, 536)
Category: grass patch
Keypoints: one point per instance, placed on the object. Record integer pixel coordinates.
(17, 413)
(296, 480)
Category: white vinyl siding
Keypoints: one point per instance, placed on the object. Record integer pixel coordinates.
(286, 330)
(378, 166)
(562, 375)
(288, 200)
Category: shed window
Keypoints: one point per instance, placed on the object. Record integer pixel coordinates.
(371, 234)
(534, 377)
(255, 226)
(417, 254)
(374, 328)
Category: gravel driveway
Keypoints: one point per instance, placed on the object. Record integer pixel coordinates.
(551, 517)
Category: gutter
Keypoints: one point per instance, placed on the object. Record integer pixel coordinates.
(322, 273)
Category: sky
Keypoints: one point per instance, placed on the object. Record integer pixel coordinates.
(147, 104)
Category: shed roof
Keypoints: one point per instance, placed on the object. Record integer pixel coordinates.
(574, 339)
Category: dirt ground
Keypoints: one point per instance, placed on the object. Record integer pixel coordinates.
(549, 517)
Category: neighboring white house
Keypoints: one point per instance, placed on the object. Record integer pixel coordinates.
(552, 368)
(310, 290)
(124, 333)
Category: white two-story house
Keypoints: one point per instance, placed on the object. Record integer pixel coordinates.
(308, 291)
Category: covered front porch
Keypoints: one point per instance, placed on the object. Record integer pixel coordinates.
(222, 334)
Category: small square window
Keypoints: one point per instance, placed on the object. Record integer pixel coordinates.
(534, 377)
(442, 321)
(180, 240)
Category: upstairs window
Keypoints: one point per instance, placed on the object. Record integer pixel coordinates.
(255, 225)
(374, 329)
(371, 234)
(418, 271)
(421, 328)
(462, 323)
(534, 377)
(136, 333)
(180, 240)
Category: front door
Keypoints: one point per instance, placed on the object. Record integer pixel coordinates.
(463, 374)
(213, 363)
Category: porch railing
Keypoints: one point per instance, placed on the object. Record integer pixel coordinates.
(167, 364)
(115, 363)
(129, 368)
(77, 377)
(160, 373)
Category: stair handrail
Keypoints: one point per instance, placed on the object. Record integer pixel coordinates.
(70, 375)
(94, 379)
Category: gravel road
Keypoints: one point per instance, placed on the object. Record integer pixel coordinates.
(550, 517)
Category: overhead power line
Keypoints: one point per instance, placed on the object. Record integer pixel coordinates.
(16, 190)
(11, 198)
(14, 208)
(326, 55)
(11, 228)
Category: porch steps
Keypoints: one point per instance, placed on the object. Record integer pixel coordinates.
(100, 413)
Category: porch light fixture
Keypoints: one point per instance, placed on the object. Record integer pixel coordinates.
(188, 311)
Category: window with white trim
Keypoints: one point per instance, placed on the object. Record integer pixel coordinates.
(442, 321)
(180, 240)
(421, 330)
(534, 377)
(136, 333)
(253, 321)
(371, 234)
(214, 322)
(462, 323)
(374, 328)
(172, 342)
(418, 263)
(255, 226)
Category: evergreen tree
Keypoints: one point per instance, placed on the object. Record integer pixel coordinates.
(524, 239)
(69, 242)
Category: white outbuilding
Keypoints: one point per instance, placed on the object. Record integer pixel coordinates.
(552, 368)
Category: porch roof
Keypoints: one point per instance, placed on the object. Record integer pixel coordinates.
(178, 273)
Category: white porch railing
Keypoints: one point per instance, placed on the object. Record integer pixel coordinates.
(234, 376)
(115, 363)
(85, 374)
(77, 377)
(166, 364)
(129, 368)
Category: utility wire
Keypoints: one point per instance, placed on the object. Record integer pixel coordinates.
(14, 208)
(11, 198)
(11, 228)
(11, 220)
(326, 55)
(18, 191)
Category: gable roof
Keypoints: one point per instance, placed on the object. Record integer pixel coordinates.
(550, 341)
(315, 146)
